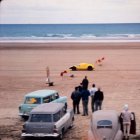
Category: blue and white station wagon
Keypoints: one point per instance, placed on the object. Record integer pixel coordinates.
(35, 98)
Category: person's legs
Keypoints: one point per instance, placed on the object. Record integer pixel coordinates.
(128, 129)
(96, 105)
(124, 130)
(83, 102)
(86, 107)
(78, 112)
(100, 105)
(92, 103)
(74, 107)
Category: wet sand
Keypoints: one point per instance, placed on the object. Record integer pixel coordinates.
(22, 69)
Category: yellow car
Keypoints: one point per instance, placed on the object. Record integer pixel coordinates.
(82, 66)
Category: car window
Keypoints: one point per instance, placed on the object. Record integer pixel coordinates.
(52, 97)
(104, 124)
(46, 99)
(32, 100)
(41, 118)
(56, 116)
(56, 95)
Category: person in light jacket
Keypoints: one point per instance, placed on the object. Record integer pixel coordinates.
(126, 116)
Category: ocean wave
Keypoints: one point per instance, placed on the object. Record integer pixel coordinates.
(58, 35)
(88, 36)
(75, 37)
(124, 35)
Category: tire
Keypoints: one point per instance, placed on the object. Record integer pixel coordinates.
(72, 123)
(24, 138)
(73, 68)
(24, 118)
(61, 135)
(90, 68)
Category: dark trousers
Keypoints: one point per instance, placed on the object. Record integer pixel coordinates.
(76, 107)
(85, 107)
(98, 105)
(92, 103)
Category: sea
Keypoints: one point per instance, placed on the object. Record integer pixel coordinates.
(70, 32)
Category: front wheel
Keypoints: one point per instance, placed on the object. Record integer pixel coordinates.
(60, 137)
(72, 123)
(24, 118)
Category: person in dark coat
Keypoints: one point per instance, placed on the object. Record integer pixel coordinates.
(76, 96)
(80, 90)
(98, 99)
(85, 98)
(85, 83)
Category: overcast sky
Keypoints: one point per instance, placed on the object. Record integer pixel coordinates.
(70, 11)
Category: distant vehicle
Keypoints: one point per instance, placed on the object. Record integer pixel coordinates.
(35, 98)
(105, 125)
(49, 120)
(83, 66)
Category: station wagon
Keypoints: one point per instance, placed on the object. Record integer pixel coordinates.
(49, 120)
(35, 98)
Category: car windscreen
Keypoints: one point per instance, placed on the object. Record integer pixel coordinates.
(41, 118)
(104, 124)
(32, 100)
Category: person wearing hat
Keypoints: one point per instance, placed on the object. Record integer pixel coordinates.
(126, 116)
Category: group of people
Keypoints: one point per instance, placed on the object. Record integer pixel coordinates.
(81, 92)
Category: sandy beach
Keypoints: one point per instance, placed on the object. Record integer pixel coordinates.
(22, 69)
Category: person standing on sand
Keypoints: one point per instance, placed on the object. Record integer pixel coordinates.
(92, 92)
(85, 94)
(47, 75)
(98, 99)
(75, 96)
(126, 116)
(85, 83)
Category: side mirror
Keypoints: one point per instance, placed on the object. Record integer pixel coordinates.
(64, 110)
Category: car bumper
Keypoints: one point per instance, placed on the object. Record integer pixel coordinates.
(39, 135)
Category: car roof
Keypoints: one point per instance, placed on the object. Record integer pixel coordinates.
(105, 115)
(41, 93)
(85, 64)
(47, 108)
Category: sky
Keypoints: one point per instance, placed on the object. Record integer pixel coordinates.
(69, 11)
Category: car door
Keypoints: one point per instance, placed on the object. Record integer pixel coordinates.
(63, 122)
(30, 103)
